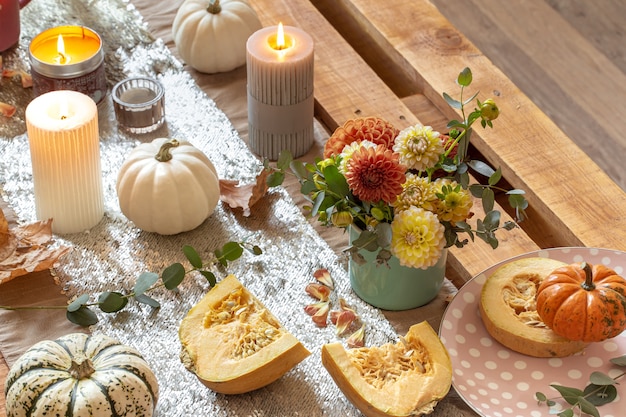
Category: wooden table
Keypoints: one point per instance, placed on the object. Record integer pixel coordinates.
(394, 62)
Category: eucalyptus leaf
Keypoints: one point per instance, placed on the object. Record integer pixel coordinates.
(569, 394)
(492, 220)
(284, 160)
(232, 251)
(465, 77)
(210, 277)
(619, 361)
(319, 199)
(144, 299)
(488, 199)
(112, 301)
(83, 317)
(173, 275)
(452, 102)
(300, 170)
(476, 190)
(481, 167)
(600, 394)
(78, 303)
(144, 282)
(600, 378)
(495, 177)
(275, 179)
(565, 413)
(588, 407)
(366, 240)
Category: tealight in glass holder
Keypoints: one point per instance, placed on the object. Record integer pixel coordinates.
(139, 104)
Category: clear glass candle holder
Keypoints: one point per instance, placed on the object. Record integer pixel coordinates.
(139, 104)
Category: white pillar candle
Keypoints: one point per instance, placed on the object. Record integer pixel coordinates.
(280, 91)
(65, 153)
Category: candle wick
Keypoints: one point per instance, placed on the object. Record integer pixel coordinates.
(62, 58)
(63, 117)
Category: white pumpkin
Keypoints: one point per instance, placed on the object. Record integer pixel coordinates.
(211, 35)
(167, 186)
(81, 375)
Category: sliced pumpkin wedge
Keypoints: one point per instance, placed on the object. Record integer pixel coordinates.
(407, 378)
(233, 343)
(508, 309)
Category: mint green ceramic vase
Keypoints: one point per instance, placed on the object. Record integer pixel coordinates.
(393, 286)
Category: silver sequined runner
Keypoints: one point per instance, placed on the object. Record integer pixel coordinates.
(114, 253)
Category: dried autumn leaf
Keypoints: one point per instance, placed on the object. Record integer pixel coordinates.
(318, 312)
(6, 109)
(244, 196)
(24, 249)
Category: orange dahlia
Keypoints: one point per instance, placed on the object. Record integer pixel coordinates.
(373, 129)
(375, 174)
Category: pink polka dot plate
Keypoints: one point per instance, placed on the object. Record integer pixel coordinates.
(498, 382)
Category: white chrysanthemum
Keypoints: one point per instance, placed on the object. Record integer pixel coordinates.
(419, 147)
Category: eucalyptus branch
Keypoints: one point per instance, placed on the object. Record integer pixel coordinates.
(79, 310)
(600, 390)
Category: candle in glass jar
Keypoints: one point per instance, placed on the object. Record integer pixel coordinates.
(68, 58)
(64, 144)
(280, 91)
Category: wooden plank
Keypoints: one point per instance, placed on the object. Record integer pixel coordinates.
(346, 87)
(561, 62)
(574, 203)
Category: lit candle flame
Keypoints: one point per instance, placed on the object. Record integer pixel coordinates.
(280, 37)
(61, 59)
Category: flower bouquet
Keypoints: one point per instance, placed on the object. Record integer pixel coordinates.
(406, 192)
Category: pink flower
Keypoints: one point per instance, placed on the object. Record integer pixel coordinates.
(375, 174)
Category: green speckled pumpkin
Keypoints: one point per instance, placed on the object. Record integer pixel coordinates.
(81, 375)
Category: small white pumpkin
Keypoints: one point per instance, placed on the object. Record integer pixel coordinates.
(211, 35)
(81, 375)
(167, 186)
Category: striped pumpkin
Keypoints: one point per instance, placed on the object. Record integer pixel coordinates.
(81, 375)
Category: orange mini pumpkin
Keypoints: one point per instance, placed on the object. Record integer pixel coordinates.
(583, 302)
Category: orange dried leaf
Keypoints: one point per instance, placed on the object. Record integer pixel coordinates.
(25, 249)
(6, 109)
(243, 196)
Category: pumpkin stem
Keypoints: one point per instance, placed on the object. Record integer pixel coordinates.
(82, 369)
(164, 153)
(588, 284)
(214, 7)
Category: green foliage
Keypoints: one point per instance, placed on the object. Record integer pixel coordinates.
(600, 390)
(332, 202)
(79, 311)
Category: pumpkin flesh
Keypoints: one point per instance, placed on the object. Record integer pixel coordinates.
(580, 304)
(233, 343)
(509, 311)
(407, 378)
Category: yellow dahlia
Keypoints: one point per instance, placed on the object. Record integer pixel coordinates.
(419, 147)
(418, 238)
(375, 174)
(373, 129)
(454, 203)
(416, 192)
